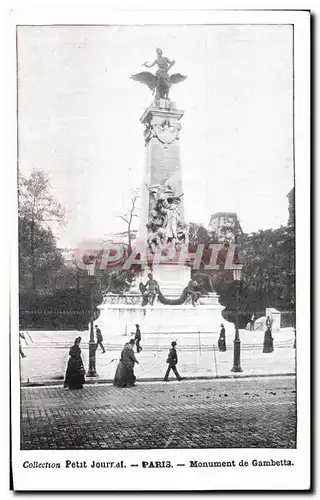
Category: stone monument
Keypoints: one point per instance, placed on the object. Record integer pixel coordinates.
(169, 300)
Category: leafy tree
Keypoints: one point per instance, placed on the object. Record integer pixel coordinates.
(37, 208)
(52, 294)
(198, 235)
(39, 258)
(268, 275)
(62, 309)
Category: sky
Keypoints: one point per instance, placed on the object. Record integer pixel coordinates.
(79, 111)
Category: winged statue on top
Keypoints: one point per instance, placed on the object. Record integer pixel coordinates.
(160, 82)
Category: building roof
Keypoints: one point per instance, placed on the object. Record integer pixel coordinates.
(290, 195)
(223, 214)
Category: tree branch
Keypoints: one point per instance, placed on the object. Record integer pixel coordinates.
(123, 217)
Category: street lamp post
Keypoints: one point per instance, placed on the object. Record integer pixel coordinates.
(237, 343)
(92, 345)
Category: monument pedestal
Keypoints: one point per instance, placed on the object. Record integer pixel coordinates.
(120, 313)
(172, 278)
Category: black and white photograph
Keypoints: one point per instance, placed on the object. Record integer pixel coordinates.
(158, 326)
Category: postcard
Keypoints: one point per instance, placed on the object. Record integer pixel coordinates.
(160, 225)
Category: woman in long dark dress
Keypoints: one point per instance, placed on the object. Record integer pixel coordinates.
(75, 370)
(268, 341)
(222, 339)
(124, 376)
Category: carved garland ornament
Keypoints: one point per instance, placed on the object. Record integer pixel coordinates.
(165, 132)
(164, 300)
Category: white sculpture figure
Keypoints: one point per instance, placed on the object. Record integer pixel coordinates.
(164, 222)
(154, 191)
(170, 209)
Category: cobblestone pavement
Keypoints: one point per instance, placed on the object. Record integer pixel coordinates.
(246, 413)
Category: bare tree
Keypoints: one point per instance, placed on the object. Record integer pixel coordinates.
(129, 216)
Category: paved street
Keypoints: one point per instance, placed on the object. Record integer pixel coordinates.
(246, 413)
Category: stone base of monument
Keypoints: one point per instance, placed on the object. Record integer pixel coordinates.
(120, 313)
(173, 278)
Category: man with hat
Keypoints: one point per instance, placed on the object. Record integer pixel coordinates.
(137, 338)
(99, 339)
(172, 361)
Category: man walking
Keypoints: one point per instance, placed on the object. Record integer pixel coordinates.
(99, 339)
(137, 339)
(172, 362)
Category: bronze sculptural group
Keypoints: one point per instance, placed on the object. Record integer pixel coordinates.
(151, 290)
(120, 281)
(160, 82)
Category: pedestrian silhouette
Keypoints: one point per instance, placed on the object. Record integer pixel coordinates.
(137, 338)
(222, 339)
(75, 372)
(268, 341)
(99, 339)
(172, 361)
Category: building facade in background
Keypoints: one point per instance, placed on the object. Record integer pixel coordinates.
(224, 226)
(291, 208)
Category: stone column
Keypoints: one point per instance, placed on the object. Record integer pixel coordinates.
(162, 128)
